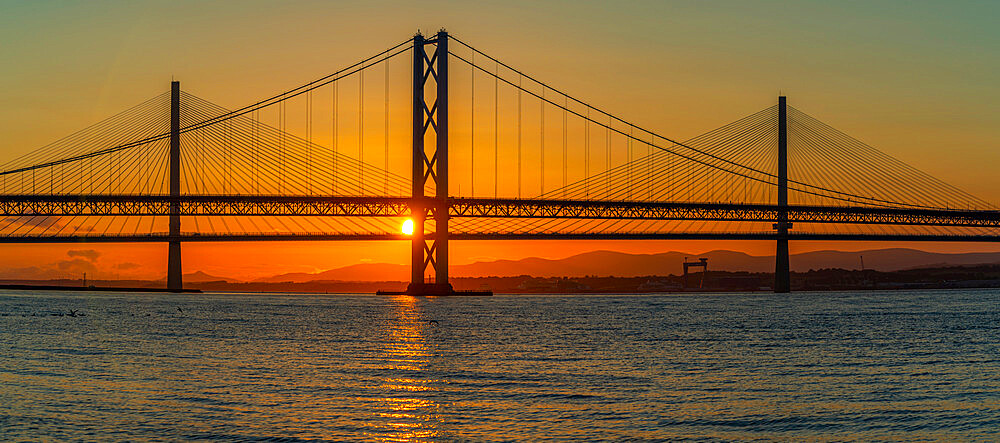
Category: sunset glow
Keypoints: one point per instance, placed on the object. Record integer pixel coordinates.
(502, 144)
(649, 220)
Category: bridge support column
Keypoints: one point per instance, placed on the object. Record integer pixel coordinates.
(430, 251)
(782, 275)
(174, 276)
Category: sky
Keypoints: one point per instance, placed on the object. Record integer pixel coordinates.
(917, 79)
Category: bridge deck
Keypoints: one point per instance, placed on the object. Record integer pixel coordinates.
(230, 205)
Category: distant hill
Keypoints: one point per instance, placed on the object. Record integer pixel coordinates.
(201, 277)
(609, 263)
(360, 272)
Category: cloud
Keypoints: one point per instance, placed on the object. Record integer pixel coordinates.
(72, 269)
(77, 266)
(88, 254)
(88, 228)
(29, 273)
(80, 262)
(35, 221)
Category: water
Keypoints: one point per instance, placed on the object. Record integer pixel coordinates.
(877, 365)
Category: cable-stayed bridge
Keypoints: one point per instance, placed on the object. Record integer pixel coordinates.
(433, 140)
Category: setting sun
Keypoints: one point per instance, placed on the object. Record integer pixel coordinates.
(408, 227)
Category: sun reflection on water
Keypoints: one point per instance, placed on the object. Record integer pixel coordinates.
(400, 407)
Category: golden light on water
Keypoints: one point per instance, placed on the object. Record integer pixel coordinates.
(408, 227)
(399, 403)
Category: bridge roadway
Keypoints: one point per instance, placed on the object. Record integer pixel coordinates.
(325, 206)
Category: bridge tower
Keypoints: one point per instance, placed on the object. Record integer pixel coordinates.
(430, 250)
(782, 276)
(174, 279)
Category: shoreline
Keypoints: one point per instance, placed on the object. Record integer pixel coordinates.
(22, 287)
(29, 288)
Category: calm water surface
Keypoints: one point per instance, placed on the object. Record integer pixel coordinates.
(840, 366)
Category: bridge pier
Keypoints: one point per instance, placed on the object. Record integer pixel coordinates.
(782, 275)
(175, 281)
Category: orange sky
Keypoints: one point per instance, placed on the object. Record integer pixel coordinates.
(916, 80)
(248, 261)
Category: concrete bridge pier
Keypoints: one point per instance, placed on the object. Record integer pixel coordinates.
(782, 276)
(175, 281)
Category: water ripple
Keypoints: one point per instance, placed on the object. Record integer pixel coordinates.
(840, 366)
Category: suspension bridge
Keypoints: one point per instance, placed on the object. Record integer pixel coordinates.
(471, 149)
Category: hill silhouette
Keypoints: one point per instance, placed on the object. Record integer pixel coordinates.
(200, 277)
(619, 264)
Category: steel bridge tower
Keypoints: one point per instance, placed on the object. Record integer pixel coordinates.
(430, 250)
